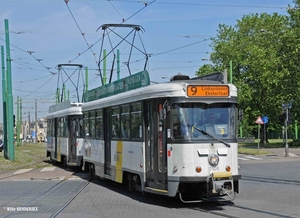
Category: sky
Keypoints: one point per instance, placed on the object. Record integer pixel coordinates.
(174, 34)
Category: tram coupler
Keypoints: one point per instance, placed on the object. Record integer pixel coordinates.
(222, 183)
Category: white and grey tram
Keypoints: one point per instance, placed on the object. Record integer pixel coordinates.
(65, 134)
(157, 139)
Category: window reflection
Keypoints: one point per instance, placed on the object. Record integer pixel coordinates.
(218, 120)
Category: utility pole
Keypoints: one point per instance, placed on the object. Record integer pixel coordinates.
(286, 133)
(4, 100)
(29, 127)
(21, 121)
(285, 109)
(36, 123)
(18, 121)
(9, 97)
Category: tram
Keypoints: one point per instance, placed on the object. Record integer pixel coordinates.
(65, 134)
(156, 138)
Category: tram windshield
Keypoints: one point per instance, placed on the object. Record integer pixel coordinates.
(194, 121)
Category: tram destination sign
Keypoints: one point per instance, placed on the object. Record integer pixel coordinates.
(208, 91)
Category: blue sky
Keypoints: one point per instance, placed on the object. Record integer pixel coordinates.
(176, 34)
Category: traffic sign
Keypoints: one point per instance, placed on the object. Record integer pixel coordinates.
(265, 119)
(286, 106)
(259, 120)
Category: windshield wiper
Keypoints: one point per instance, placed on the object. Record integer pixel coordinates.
(205, 133)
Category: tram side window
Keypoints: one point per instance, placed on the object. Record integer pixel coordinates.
(115, 120)
(125, 121)
(92, 124)
(81, 129)
(59, 127)
(86, 124)
(49, 127)
(65, 126)
(136, 121)
(99, 124)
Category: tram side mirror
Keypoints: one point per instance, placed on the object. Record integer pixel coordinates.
(162, 112)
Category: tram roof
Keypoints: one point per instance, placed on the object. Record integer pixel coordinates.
(161, 90)
(64, 108)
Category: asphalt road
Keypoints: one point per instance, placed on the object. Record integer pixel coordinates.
(270, 187)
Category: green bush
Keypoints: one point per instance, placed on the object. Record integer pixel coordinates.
(295, 143)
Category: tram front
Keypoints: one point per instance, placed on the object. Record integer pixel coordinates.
(202, 149)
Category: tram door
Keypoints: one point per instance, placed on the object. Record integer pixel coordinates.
(72, 124)
(107, 140)
(155, 139)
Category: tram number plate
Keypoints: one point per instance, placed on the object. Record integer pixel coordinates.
(208, 91)
(213, 169)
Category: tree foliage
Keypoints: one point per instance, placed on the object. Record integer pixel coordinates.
(264, 50)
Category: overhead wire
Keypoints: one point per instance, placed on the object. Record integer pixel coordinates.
(83, 34)
(206, 4)
(115, 9)
(40, 63)
(40, 86)
(123, 20)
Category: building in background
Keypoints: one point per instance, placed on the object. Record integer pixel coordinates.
(28, 134)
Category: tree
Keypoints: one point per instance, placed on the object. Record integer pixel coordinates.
(261, 69)
(207, 69)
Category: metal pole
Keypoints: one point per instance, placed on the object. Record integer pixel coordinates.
(65, 93)
(286, 134)
(258, 132)
(296, 129)
(18, 122)
(118, 64)
(10, 106)
(36, 123)
(86, 79)
(29, 122)
(104, 66)
(21, 122)
(265, 137)
(4, 104)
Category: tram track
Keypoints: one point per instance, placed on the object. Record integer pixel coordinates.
(270, 180)
(51, 195)
(225, 209)
(70, 200)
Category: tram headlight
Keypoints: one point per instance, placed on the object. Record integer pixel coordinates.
(213, 160)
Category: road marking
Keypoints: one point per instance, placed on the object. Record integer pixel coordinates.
(248, 157)
(253, 158)
(22, 171)
(240, 158)
(47, 169)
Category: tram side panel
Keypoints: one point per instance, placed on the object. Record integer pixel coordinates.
(60, 151)
(126, 156)
(93, 153)
(79, 150)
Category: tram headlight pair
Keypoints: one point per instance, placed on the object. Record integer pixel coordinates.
(213, 160)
